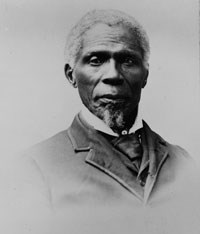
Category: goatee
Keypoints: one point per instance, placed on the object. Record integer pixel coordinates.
(118, 116)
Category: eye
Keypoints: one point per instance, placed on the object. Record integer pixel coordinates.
(130, 61)
(95, 61)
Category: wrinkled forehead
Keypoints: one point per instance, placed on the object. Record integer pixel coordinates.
(103, 34)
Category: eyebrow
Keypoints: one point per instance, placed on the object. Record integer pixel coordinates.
(106, 53)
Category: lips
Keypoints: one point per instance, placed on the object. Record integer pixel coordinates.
(113, 98)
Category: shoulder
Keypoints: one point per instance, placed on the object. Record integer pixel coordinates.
(41, 165)
(60, 141)
(50, 155)
(182, 160)
(179, 160)
(178, 151)
(53, 148)
(173, 149)
(179, 167)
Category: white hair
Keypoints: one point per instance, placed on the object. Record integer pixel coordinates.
(111, 18)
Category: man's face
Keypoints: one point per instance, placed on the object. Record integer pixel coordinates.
(110, 74)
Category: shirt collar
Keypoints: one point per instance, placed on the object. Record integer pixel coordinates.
(98, 124)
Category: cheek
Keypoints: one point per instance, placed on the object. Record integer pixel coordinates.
(86, 77)
(85, 84)
(135, 81)
(82, 78)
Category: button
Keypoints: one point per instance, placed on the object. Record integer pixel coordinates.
(140, 138)
(124, 132)
(142, 183)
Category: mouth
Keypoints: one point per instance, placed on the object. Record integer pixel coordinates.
(115, 98)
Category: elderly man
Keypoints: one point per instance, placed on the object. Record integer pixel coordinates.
(109, 155)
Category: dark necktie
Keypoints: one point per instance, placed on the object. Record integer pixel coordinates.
(130, 146)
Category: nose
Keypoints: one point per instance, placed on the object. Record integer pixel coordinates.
(112, 74)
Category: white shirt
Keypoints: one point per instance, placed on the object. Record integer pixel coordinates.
(98, 124)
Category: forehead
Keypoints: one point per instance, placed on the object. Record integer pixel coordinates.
(110, 38)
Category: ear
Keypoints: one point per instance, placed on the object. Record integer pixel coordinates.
(69, 75)
(145, 77)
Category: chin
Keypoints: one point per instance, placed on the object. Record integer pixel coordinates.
(114, 119)
(118, 116)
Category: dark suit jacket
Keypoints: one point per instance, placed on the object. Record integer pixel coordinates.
(82, 173)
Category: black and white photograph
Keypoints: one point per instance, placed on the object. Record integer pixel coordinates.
(99, 124)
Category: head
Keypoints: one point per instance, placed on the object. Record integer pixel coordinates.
(107, 60)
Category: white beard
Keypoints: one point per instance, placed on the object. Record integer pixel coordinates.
(115, 115)
(114, 119)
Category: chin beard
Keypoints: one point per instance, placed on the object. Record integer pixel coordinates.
(118, 116)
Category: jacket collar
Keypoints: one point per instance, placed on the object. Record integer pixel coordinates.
(102, 155)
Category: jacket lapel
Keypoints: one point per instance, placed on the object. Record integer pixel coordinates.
(102, 155)
(157, 154)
